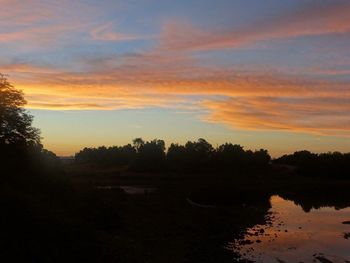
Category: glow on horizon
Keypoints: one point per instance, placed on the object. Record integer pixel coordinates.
(273, 75)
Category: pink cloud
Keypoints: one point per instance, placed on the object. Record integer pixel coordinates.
(314, 19)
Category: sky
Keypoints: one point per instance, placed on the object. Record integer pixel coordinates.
(264, 74)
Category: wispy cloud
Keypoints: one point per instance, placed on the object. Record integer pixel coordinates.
(313, 19)
(106, 32)
(323, 116)
(258, 101)
(44, 23)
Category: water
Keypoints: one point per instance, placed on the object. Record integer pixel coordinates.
(293, 235)
(136, 189)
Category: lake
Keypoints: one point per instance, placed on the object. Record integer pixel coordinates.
(293, 234)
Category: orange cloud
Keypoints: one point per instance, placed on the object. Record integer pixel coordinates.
(247, 100)
(60, 101)
(332, 71)
(180, 81)
(153, 80)
(312, 115)
(25, 68)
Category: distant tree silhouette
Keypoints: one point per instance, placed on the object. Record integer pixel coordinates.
(199, 155)
(261, 158)
(230, 157)
(150, 155)
(177, 157)
(115, 155)
(331, 164)
(194, 156)
(138, 143)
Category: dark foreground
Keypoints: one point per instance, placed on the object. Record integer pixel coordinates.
(87, 217)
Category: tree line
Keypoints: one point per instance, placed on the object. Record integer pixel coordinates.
(21, 150)
(194, 156)
(330, 165)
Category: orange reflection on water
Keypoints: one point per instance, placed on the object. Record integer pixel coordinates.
(293, 235)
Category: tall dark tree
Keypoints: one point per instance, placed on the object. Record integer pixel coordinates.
(20, 147)
(15, 122)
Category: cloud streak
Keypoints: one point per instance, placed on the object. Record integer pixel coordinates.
(312, 115)
(311, 20)
(106, 33)
(247, 100)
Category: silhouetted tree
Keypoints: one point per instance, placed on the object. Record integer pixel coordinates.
(115, 155)
(332, 165)
(229, 157)
(177, 157)
(261, 158)
(15, 122)
(196, 156)
(150, 155)
(138, 143)
(20, 146)
(232, 157)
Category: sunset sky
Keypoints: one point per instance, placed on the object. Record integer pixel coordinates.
(265, 74)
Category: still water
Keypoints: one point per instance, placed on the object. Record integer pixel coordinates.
(132, 190)
(293, 235)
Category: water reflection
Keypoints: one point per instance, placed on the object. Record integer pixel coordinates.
(293, 235)
(138, 189)
(135, 189)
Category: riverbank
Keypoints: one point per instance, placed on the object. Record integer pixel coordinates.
(97, 215)
(164, 225)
